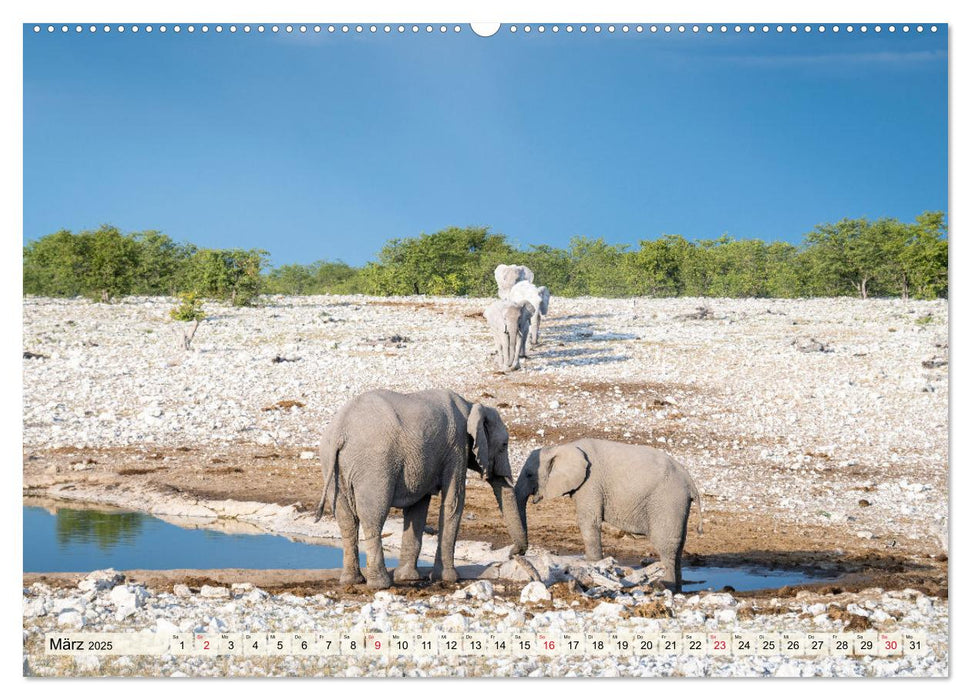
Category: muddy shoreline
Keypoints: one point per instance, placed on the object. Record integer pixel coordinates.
(176, 482)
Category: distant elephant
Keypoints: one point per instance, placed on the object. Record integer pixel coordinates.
(635, 488)
(538, 298)
(385, 449)
(509, 323)
(508, 275)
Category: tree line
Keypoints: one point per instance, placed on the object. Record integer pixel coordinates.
(106, 263)
(852, 257)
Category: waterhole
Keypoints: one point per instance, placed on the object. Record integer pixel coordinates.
(72, 538)
(77, 539)
(745, 578)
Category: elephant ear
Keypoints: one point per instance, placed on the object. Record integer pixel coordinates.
(568, 469)
(489, 436)
(544, 301)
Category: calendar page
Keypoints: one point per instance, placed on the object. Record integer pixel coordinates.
(443, 349)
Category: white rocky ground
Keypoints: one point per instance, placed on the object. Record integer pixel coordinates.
(104, 603)
(745, 405)
(795, 408)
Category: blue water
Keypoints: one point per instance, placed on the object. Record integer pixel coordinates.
(86, 540)
(715, 578)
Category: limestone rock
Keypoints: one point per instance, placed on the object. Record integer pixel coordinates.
(214, 592)
(534, 592)
(101, 580)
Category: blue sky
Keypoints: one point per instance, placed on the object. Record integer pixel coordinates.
(326, 146)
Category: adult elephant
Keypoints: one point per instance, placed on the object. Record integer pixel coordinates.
(385, 449)
(538, 298)
(508, 275)
(509, 323)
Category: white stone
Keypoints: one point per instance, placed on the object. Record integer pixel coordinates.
(70, 618)
(34, 607)
(59, 605)
(163, 626)
(879, 616)
(100, 580)
(718, 600)
(127, 596)
(692, 618)
(214, 592)
(181, 590)
(455, 623)
(648, 574)
(788, 669)
(308, 454)
(255, 596)
(216, 625)
(608, 610)
(87, 663)
(480, 590)
(534, 592)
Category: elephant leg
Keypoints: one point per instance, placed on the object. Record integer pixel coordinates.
(512, 353)
(372, 509)
(670, 546)
(671, 560)
(534, 330)
(449, 517)
(414, 525)
(348, 523)
(375, 571)
(590, 532)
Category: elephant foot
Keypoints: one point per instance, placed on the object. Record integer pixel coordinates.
(404, 574)
(517, 550)
(379, 581)
(349, 578)
(449, 575)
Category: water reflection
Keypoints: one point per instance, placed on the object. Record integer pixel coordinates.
(78, 539)
(101, 528)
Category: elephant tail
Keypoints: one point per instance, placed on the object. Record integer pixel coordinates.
(330, 463)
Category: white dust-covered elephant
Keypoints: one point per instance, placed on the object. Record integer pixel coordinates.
(508, 275)
(538, 298)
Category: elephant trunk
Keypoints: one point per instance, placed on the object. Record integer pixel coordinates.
(513, 514)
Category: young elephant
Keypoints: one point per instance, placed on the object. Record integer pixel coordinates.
(385, 449)
(509, 323)
(635, 488)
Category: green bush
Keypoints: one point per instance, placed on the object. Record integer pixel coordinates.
(855, 257)
(189, 308)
